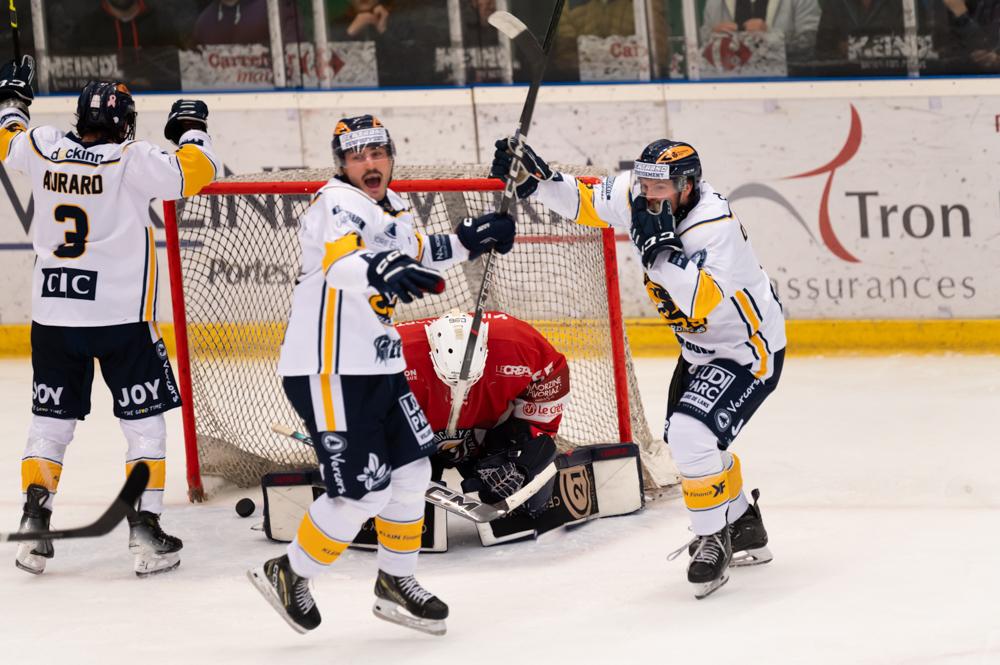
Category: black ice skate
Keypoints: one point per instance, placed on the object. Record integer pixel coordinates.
(749, 537)
(154, 551)
(402, 600)
(32, 555)
(287, 593)
(710, 556)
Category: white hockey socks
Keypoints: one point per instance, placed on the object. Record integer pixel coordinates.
(328, 527)
(44, 453)
(147, 442)
(400, 524)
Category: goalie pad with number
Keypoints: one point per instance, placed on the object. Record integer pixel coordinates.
(592, 481)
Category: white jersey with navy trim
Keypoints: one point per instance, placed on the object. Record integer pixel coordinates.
(92, 234)
(715, 295)
(339, 324)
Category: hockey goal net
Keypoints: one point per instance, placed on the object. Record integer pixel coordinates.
(233, 253)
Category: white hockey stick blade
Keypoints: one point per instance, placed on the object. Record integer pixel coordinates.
(515, 30)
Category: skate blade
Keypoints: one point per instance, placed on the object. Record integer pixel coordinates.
(29, 560)
(164, 563)
(259, 579)
(394, 613)
(705, 589)
(31, 564)
(753, 557)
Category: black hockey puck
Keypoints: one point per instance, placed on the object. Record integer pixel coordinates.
(245, 507)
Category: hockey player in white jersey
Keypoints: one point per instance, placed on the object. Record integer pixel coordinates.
(94, 292)
(342, 363)
(706, 283)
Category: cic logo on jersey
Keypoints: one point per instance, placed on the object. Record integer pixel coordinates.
(69, 283)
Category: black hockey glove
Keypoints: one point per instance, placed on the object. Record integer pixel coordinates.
(185, 114)
(533, 168)
(491, 231)
(396, 274)
(498, 476)
(16, 79)
(653, 233)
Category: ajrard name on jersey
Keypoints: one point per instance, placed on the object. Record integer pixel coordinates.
(72, 183)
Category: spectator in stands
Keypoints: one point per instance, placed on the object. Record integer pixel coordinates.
(144, 39)
(243, 22)
(407, 49)
(973, 28)
(358, 19)
(797, 20)
(600, 18)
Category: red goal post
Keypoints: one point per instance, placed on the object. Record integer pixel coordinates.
(232, 253)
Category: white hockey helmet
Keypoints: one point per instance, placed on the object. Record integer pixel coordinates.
(448, 336)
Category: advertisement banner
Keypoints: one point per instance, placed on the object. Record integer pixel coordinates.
(858, 207)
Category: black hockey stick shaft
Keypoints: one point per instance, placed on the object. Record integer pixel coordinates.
(120, 508)
(15, 31)
(523, 124)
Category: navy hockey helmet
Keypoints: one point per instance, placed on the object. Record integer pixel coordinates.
(106, 107)
(665, 159)
(357, 133)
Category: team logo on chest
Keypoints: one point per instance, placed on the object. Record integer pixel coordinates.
(384, 308)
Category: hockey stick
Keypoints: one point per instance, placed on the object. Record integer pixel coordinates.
(537, 57)
(120, 508)
(452, 500)
(15, 31)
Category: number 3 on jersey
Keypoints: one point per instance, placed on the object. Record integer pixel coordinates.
(76, 239)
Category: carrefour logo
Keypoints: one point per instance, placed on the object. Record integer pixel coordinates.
(875, 216)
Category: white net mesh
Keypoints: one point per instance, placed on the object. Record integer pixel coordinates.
(239, 258)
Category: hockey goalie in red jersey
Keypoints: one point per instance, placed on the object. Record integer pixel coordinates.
(509, 418)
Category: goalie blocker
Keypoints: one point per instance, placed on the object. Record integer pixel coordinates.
(592, 482)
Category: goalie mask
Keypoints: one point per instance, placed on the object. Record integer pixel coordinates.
(106, 107)
(357, 133)
(669, 160)
(448, 336)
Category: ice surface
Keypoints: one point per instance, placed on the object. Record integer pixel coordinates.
(880, 492)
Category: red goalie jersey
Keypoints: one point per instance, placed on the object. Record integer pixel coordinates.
(525, 378)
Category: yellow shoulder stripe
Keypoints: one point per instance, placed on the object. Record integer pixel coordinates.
(340, 248)
(587, 216)
(707, 294)
(7, 135)
(196, 168)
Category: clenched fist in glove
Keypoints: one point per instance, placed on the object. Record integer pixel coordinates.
(396, 274)
(533, 168)
(491, 231)
(15, 82)
(185, 114)
(653, 233)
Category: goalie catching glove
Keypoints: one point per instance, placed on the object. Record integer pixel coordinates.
(653, 233)
(498, 476)
(396, 274)
(491, 231)
(185, 114)
(533, 168)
